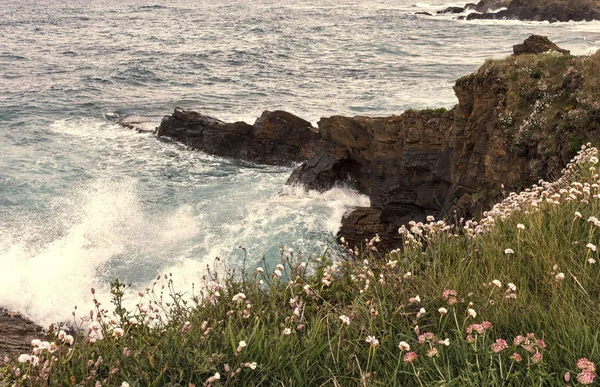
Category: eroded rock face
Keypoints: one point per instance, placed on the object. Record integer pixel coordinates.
(446, 163)
(16, 333)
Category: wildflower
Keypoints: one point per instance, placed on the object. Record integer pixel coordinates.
(591, 261)
(260, 270)
(409, 357)
(216, 376)
(432, 352)
(537, 358)
(345, 319)
(585, 364)
(521, 226)
(407, 275)
(425, 337)
(325, 282)
(279, 267)
(414, 299)
(35, 343)
(343, 240)
(421, 312)
(392, 263)
(511, 286)
(277, 273)
(591, 246)
(518, 340)
(124, 384)
(252, 365)
(578, 215)
(509, 251)
(133, 321)
(372, 340)
(443, 311)
(242, 344)
(24, 358)
(445, 342)
(69, 339)
(470, 339)
(516, 357)
(287, 331)
(472, 313)
(497, 283)
(404, 346)
(586, 377)
(499, 346)
(594, 160)
(560, 276)
(238, 297)
(118, 332)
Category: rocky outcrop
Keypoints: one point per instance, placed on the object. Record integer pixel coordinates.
(537, 10)
(536, 44)
(516, 121)
(16, 333)
(277, 137)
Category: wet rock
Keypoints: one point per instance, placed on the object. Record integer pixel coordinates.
(451, 10)
(276, 138)
(538, 10)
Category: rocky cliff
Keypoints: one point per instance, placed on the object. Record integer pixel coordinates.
(517, 120)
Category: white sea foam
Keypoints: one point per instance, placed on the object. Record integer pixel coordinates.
(108, 227)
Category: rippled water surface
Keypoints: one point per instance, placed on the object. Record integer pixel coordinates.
(83, 200)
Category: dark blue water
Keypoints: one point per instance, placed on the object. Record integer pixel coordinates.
(83, 200)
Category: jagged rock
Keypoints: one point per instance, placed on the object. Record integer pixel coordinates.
(16, 333)
(451, 10)
(537, 44)
(277, 137)
(539, 10)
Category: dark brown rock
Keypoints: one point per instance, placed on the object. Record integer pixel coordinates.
(277, 137)
(451, 10)
(537, 44)
(16, 333)
(538, 10)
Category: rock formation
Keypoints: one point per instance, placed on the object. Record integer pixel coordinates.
(517, 120)
(16, 333)
(536, 10)
(277, 137)
(536, 44)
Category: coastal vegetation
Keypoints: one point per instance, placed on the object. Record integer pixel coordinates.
(509, 299)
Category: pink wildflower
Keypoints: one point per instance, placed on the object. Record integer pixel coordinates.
(499, 346)
(409, 357)
(586, 377)
(516, 357)
(585, 364)
(537, 358)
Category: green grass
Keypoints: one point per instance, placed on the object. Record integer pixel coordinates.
(287, 330)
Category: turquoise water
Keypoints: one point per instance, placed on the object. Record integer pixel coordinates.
(83, 200)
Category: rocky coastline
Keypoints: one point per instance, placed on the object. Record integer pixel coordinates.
(514, 124)
(530, 10)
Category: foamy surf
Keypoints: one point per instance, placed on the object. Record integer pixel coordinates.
(105, 228)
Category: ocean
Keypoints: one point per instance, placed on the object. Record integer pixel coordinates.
(84, 200)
